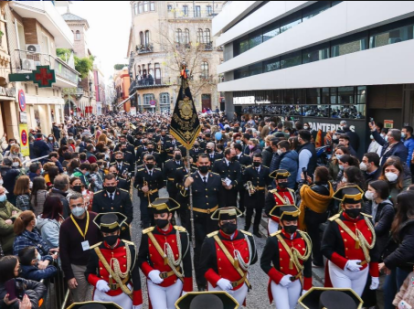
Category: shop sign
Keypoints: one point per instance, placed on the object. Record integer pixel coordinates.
(24, 140)
(389, 124)
(23, 117)
(133, 111)
(244, 100)
(327, 127)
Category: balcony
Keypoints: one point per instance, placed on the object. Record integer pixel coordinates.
(47, 15)
(66, 77)
(77, 92)
(208, 46)
(188, 14)
(149, 82)
(145, 49)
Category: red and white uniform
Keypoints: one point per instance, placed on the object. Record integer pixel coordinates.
(277, 197)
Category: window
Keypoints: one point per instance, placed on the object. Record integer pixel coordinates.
(349, 45)
(346, 95)
(141, 7)
(207, 36)
(157, 73)
(146, 6)
(152, 7)
(136, 8)
(197, 12)
(178, 35)
(270, 32)
(255, 40)
(147, 38)
(186, 37)
(315, 54)
(241, 73)
(291, 60)
(271, 65)
(362, 95)
(169, 8)
(388, 36)
(185, 10)
(199, 35)
(204, 69)
(313, 96)
(209, 10)
(256, 69)
(141, 38)
(78, 35)
(164, 98)
(290, 22)
(148, 98)
(314, 10)
(139, 70)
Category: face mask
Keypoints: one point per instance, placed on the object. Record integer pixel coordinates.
(344, 179)
(353, 213)
(334, 137)
(150, 166)
(403, 135)
(110, 189)
(209, 150)
(42, 171)
(338, 157)
(305, 127)
(177, 157)
(3, 198)
(391, 177)
(119, 160)
(341, 167)
(87, 174)
(50, 138)
(77, 189)
(279, 152)
(238, 142)
(111, 240)
(256, 164)
(78, 211)
(1, 182)
(251, 147)
(39, 257)
(369, 195)
(161, 223)
(15, 164)
(123, 150)
(363, 167)
(290, 229)
(204, 169)
(283, 185)
(229, 228)
(196, 146)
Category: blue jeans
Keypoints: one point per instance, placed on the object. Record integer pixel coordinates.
(392, 285)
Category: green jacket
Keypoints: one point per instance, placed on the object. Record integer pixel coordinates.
(6, 231)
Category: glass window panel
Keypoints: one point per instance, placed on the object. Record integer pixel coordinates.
(392, 36)
(362, 95)
(145, 6)
(152, 8)
(289, 96)
(256, 69)
(315, 9)
(349, 45)
(315, 54)
(291, 60)
(255, 40)
(300, 96)
(346, 95)
(292, 21)
(270, 33)
(313, 96)
(334, 95)
(325, 96)
(272, 65)
(348, 111)
(241, 73)
(321, 111)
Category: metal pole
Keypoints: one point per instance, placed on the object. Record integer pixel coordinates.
(191, 202)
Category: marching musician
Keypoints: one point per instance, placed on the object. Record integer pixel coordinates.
(280, 196)
(227, 254)
(349, 244)
(113, 269)
(288, 250)
(164, 257)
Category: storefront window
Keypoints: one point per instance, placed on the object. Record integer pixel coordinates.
(362, 95)
(241, 73)
(255, 39)
(313, 96)
(334, 95)
(348, 111)
(315, 10)
(325, 96)
(292, 21)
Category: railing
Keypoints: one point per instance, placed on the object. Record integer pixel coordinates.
(145, 49)
(185, 14)
(208, 46)
(28, 61)
(149, 81)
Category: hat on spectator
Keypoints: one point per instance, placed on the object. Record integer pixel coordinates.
(279, 174)
(330, 298)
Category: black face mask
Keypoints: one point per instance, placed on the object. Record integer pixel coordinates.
(256, 164)
(161, 223)
(209, 150)
(353, 213)
(77, 189)
(283, 185)
(196, 146)
(177, 157)
(119, 160)
(150, 166)
(150, 149)
(204, 169)
(290, 229)
(110, 189)
(229, 228)
(123, 150)
(233, 159)
(111, 240)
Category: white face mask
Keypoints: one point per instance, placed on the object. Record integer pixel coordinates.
(371, 137)
(338, 157)
(344, 179)
(369, 195)
(391, 177)
(363, 167)
(279, 152)
(78, 211)
(39, 257)
(31, 185)
(305, 127)
(335, 137)
(341, 167)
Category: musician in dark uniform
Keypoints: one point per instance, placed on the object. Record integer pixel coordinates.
(123, 183)
(286, 259)
(170, 168)
(244, 161)
(151, 151)
(195, 151)
(112, 199)
(122, 165)
(112, 268)
(129, 157)
(280, 196)
(123, 140)
(208, 196)
(230, 172)
(227, 254)
(255, 180)
(163, 249)
(148, 181)
(212, 154)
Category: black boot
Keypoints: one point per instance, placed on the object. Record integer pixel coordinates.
(256, 232)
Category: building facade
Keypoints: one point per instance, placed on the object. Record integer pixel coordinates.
(32, 30)
(163, 35)
(319, 62)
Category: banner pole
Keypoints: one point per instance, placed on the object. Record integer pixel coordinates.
(191, 202)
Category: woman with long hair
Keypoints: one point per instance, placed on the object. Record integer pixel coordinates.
(334, 164)
(14, 152)
(22, 193)
(39, 194)
(399, 253)
(48, 223)
(393, 174)
(353, 176)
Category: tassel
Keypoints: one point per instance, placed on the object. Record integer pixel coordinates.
(290, 264)
(236, 263)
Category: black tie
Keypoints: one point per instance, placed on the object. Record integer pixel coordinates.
(150, 173)
(205, 179)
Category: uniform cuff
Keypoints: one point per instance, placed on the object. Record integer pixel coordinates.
(275, 275)
(137, 298)
(307, 284)
(212, 277)
(93, 279)
(339, 260)
(146, 268)
(188, 284)
(373, 269)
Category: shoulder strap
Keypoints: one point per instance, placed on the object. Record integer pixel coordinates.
(158, 247)
(289, 251)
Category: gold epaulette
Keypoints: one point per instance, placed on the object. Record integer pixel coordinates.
(215, 174)
(245, 155)
(218, 159)
(128, 242)
(273, 191)
(96, 245)
(148, 230)
(113, 163)
(126, 163)
(124, 189)
(274, 234)
(212, 234)
(333, 218)
(366, 215)
(180, 228)
(157, 169)
(168, 160)
(249, 166)
(140, 170)
(128, 152)
(265, 166)
(246, 233)
(97, 192)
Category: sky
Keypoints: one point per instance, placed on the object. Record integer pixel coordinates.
(108, 34)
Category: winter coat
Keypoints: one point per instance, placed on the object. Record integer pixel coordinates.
(23, 202)
(78, 173)
(6, 231)
(334, 169)
(49, 229)
(12, 156)
(38, 202)
(289, 162)
(394, 191)
(33, 289)
(398, 150)
(403, 255)
(62, 196)
(267, 154)
(406, 292)
(35, 274)
(409, 144)
(28, 239)
(41, 149)
(97, 181)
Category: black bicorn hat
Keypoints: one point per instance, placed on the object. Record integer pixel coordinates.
(163, 205)
(109, 222)
(330, 298)
(279, 174)
(351, 194)
(207, 300)
(94, 305)
(226, 213)
(287, 212)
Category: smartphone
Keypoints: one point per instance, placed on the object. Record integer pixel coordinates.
(371, 120)
(11, 289)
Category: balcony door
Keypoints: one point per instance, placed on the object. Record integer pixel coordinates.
(45, 49)
(206, 101)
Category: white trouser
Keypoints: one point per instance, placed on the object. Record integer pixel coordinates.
(286, 298)
(239, 295)
(164, 298)
(273, 227)
(122, 299)
(343, 278)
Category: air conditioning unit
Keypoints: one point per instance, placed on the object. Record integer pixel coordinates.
(32, 48)
(28, 64)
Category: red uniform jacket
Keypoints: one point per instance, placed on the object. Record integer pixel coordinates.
(278, 197)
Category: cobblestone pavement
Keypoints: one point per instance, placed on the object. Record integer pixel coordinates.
(256, 299)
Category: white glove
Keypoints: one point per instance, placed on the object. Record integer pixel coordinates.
(154, 276)
(102, 286)
(374, 283)
(304, 292)
(352, 265)
(137, 307)
(224, 284)
(285, 282)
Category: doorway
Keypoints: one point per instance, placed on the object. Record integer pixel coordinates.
(206, 101)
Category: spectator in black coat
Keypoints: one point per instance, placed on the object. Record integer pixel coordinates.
(370, 167)
(399, 253)
(9, 176)
(353, 137)
(60, 186)
(40, 147)
(56, 131)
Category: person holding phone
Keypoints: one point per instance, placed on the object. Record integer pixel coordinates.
(15, 290)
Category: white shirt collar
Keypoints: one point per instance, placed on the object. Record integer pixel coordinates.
(227, 161)
(206, 176)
